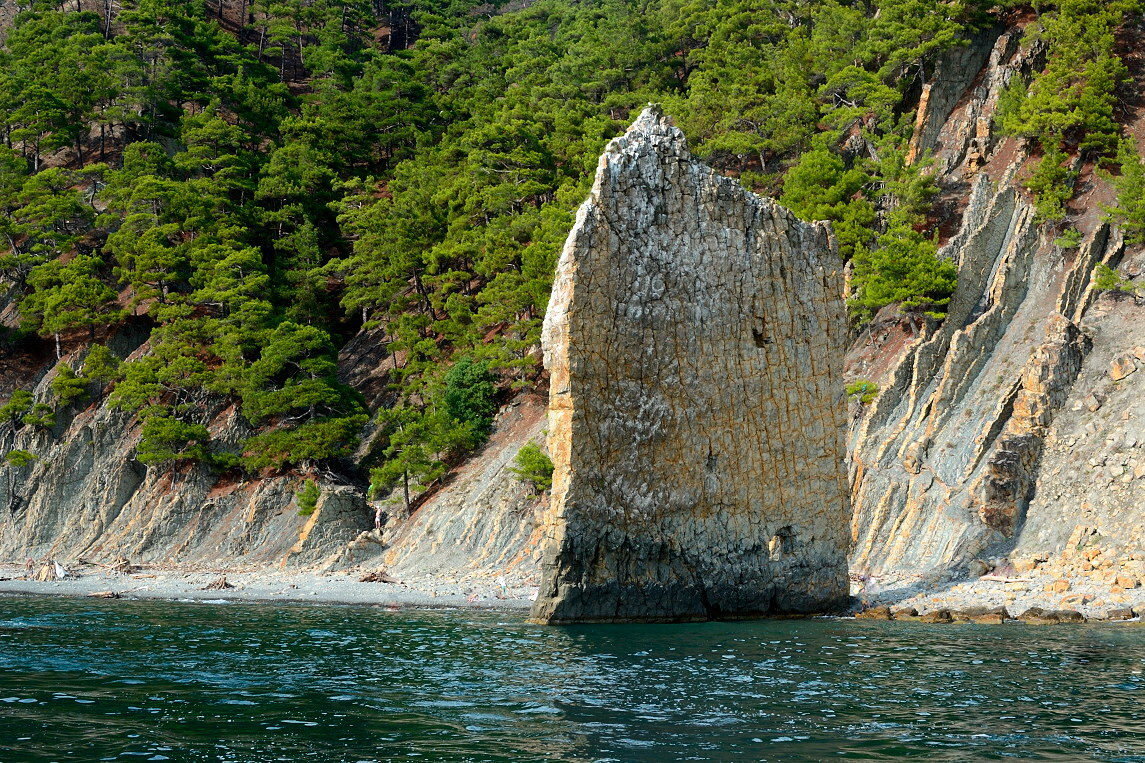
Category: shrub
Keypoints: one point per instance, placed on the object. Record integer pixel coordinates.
(1070, 238)
(17, 407)
(470, 396)
(1129, 211)
(1106, 278)
(904, 268)
(166, 439)
(1052, 185)
(68, 386)
(101, 366)
(820, 187)
(864, 390)
(18, 459)
(41, 416)
(307, 498)
(533, 466)
(313, 441)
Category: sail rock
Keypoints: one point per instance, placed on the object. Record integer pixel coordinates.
(694, 340)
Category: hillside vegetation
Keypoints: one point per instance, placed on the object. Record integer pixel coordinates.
(254, 183)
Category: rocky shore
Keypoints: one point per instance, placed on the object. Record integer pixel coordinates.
(1037, 597)
(214, 585)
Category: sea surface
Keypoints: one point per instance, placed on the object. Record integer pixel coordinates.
(129, 680)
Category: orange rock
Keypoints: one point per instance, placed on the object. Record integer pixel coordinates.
(1122, 366)
(1126, 581)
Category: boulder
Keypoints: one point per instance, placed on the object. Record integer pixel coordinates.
(1122, 366)
(881, 612)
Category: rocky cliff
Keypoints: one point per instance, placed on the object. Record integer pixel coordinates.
(1008, 436)
(1000, 433)
(694, 345)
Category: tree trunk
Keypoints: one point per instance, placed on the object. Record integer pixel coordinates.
(405, 488)
(58, 353)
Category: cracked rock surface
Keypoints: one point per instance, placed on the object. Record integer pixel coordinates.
(694, 341)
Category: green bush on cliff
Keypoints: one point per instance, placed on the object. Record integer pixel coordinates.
(863, 390)
(1075, 97)
(19, 403)
(101, 366)
(68, 386)
(822, 187)
(307, 498)
(1106, 278)
(904, 267)
(470, 394)
(166, 440)
(1052, 185)
(1129, 209)
(41, 416)
(534, 466)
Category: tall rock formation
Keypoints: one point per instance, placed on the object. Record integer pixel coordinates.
(694, 340)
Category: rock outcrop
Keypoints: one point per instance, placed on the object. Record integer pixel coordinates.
(694, 342)
(976, 449)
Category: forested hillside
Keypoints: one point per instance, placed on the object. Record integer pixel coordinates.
(253, 183)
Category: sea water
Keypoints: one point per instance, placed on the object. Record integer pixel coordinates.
(131, 680)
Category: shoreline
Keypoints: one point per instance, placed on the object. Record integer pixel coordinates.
(191, 585)
(986, 600)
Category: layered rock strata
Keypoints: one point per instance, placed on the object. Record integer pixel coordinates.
(694, 341)
(970, 457)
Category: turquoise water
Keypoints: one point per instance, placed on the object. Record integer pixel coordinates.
(114, 680)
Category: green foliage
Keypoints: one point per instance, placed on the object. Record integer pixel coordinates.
(18, 459)
(1052, 185)
(820, 187)
(1075, 97)
(313, 441)
(534, 466)
(1129, 209)
(67, 296)
(905, 268)
(307, 498)
(18, 405)
(101, 366)
(68, 386)
(420, 445)
(40, 416)
(863, 390)
(167, 440)
(470, 395)
(1106, 278)
(1069, 239)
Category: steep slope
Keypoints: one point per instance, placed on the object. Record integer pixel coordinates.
(962, 456)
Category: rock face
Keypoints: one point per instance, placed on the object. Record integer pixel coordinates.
(1013, 425)
(694, 341)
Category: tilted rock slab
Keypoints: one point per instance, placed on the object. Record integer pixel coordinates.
(694, 341)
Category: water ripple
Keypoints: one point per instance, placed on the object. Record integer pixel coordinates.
(158, 681)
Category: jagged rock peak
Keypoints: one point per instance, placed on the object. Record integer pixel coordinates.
(694, 340)
(650, 125)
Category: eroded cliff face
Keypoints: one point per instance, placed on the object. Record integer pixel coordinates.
(694, 342)
(1010, 435)
(962, 457)
(86, 497)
